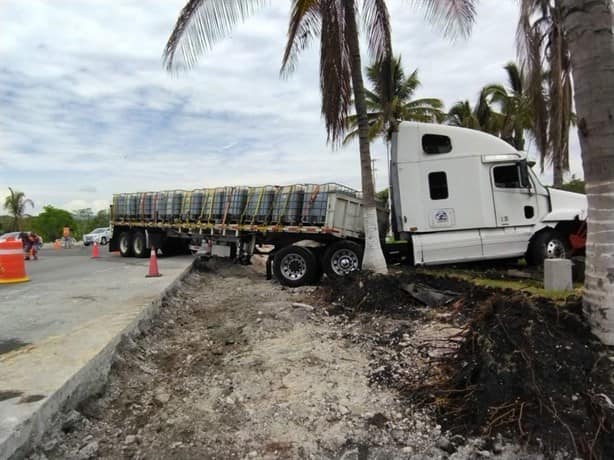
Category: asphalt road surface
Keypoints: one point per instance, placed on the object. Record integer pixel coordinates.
(56, 323)
(68, 287)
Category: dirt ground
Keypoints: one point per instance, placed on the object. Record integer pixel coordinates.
(236, 366)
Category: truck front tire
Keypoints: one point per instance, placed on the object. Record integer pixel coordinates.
(125, 244)
(547, 244)
(342, 258)
(295, 266)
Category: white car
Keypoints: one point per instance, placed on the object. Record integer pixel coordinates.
(100, 235)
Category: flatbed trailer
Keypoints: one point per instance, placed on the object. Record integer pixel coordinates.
(297, 253)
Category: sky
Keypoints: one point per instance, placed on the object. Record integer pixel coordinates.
(87, 110)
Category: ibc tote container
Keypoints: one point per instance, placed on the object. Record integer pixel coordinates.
(161, 199)
(217, 205)
(288, 205)
(315, 203)
(259, 205)
(196, 205)
(133, 206)
(116, 211)
(235, 205)
(185, 206)
(206, 211)
(174, 200)
(146, 210)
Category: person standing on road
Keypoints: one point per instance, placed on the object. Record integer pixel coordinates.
(26, 244)
(34, 244)
(66, 237)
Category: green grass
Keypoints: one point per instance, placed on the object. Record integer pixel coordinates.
(531, 287)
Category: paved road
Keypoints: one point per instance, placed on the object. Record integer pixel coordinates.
(51, 326)
(68, 287)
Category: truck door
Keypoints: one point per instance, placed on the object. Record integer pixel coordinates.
(514, 195)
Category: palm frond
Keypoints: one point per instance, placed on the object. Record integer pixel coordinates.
(335, 69)
(304, 25)
(515, 77)
(200, 25)
(376, 22)
(456, 17)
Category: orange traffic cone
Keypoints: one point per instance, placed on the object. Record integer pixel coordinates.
(12, 266)
(95, 251)
(153, 265)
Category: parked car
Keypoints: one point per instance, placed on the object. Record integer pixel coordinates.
(16, 236)
(100, 235)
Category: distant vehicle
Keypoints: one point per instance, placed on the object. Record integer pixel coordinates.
(100, 235)
(15, 235)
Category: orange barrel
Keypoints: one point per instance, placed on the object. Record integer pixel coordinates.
(12, 266)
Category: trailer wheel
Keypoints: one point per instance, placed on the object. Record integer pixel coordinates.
(342, 258)
(125, 244)
(139, 245)
(295, 266)
(547, 244)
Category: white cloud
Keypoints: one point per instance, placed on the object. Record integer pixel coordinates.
(88, 110)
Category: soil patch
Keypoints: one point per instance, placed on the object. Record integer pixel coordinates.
(492, 362)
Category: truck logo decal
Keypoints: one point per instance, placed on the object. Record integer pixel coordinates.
(441, 216)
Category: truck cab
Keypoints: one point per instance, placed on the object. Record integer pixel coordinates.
(462, 195)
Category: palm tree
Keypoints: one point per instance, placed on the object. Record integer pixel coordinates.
(588, 27)
(15, 204)
(515, 114)
(201, 23)
(388, 106)
(481, 117)
(544, 53)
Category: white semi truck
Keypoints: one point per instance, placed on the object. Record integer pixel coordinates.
(456, 195)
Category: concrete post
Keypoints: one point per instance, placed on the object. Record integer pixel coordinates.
(557, 275)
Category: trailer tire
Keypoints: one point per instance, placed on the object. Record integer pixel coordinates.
(125, 244)
(139, 245)
(547, 244)
(342, 258)
(295, 266)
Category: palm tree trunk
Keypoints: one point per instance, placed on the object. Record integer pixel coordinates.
(556, 98)
(373, 258)
(589, 26)
(557, 166)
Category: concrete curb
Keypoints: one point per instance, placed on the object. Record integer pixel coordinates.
(89, 380)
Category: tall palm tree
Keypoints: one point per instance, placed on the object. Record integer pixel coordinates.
(588, 27)
(481, 117)
(15, 203)
(514, 104)
(544, 53)
(388, 106)
(202, 23)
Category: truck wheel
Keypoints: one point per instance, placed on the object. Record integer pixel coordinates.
(139, 245)
(342, 258)
(125, 244)
(548, 244)
(295, 266)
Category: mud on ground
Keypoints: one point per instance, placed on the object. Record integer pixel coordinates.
(498, 362)
(238, 367)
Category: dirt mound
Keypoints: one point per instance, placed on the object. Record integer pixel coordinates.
(364, 292)
(529, 370)
(512, 364)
